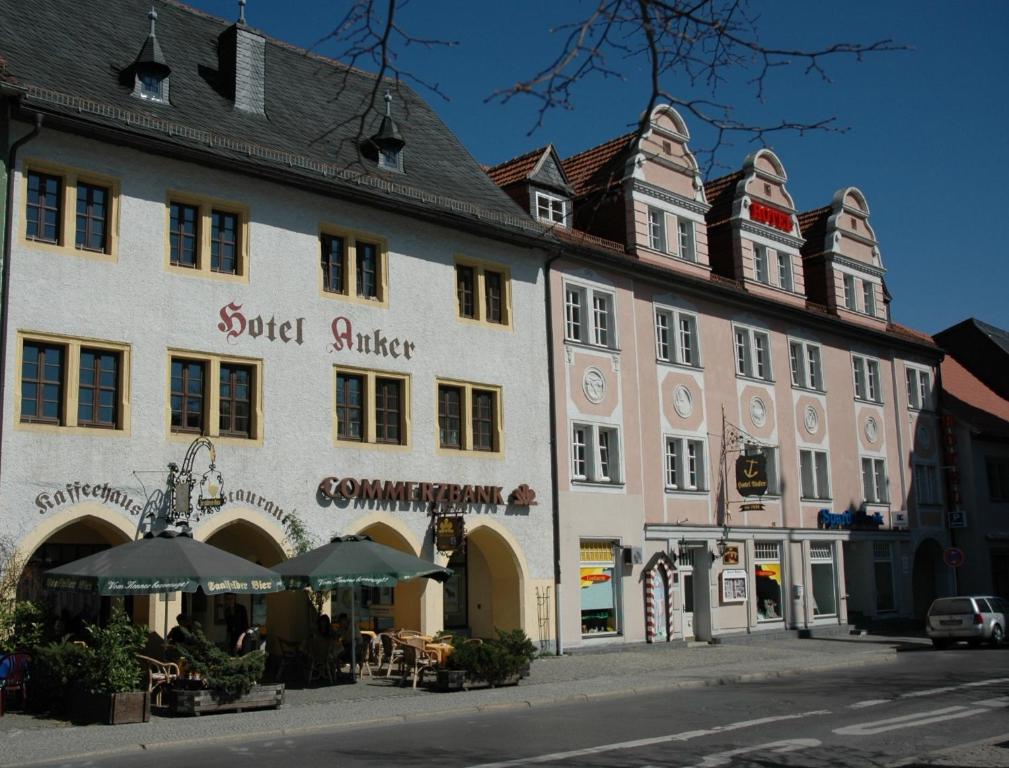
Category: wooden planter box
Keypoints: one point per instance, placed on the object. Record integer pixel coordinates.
(451, 679)
(110, 708)
(190, 702)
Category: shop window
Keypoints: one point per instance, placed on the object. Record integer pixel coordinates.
(753, 353)
(919, 388)
(371, 407)
(215, 396)
(882, 557)
(73, 383)
(599, 580)
(483, 292)
(676, 338)
(875, 485)
(813, 475)
(353, 266)
(66, 207)
(926, 484)
(208, 237)
(865, 371)
(589, 316)
(767, 580)
(469, 417)
(595, 454)
(657, 230)
(685, 464)
(821, 560)
(804, 359)
(997, 470)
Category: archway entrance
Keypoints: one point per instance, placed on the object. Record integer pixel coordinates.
(929, 579)
(84, 536)
(387, 607)
(493, 584)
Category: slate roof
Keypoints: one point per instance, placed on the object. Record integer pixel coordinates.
(600, 167)
(70, 56)
(516, 169)
(997, 335)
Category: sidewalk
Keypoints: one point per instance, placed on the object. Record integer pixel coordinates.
(583, 675)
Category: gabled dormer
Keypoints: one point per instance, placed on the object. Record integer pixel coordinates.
(665, 197)
(753, 229)
(150, 69)
(841, 258)
(537, 182)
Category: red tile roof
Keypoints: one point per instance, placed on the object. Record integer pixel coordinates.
(599, 167)
(813, 226)
(920, 336)
(809, 219)
(516, 169)
(584, 238)
(972, 400)
(720, 193)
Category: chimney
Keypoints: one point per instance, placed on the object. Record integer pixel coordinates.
(241, 53)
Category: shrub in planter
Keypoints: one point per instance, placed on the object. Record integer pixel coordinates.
(114, 667)
(494, 661)
(57, 668)
(230, 677)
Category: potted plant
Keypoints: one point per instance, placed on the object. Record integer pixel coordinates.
(110, 690)
(502, 661)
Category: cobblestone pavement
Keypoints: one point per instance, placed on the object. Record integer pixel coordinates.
(372, 701)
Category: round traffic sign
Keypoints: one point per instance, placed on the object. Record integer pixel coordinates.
(953, 557)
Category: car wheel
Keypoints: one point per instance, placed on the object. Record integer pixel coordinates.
(939, 644)
(996, 636)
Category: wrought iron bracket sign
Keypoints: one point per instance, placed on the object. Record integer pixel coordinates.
(449, 533)
(182, 482)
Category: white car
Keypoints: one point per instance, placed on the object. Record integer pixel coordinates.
(976, 619)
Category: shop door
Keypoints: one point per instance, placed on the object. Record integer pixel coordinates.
(455, 594)
(687, 601)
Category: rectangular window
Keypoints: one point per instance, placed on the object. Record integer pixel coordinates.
(685, 469)
(804, 361)
(596, 328)
(600, 582)
(235, 404)
(92, 218)
(767, 580)
(367, 270)
(482, 292)
(657, 230)
(821, 563)
(869, 298)
(334, 264)
(919, 388)
(849, 293)
(44, 207)
(465, 281)
(215, 396)
(874, 483)
(98, 389)
(685, 230)
(469, 417)
(926, 484)
(873, 390)
(183, 234)
(676, 338)
(753, 353)
(784, 271)
(865, 371)
(188, 395)
(760, 264)
(550, 209)
(813, 474)
(42, 376)
(371, 406)
(224, 242)
(595, 453)
(997, 470)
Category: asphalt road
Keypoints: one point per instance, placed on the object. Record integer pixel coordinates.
(870, 716)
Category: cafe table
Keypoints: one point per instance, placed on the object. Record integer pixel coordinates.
(443, 650)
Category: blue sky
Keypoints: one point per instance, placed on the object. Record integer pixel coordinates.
(926, 139)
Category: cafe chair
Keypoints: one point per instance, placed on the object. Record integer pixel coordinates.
(417, 659)
(323, 659)
(392, 653)
(14, 668)
(160, 676)
(290, 658)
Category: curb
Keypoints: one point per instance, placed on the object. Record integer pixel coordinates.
(867, 659)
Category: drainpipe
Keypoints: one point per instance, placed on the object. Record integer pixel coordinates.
(5, 274)
(554, 472)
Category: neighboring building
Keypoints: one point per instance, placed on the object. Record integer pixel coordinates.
(200, 244)
(975, 404)
(696, 323)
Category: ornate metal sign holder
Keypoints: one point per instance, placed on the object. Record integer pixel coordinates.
(182, 482)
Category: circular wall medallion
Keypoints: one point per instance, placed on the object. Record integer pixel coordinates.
(758, 411)
(683, 401)
(594, 385)
(811, 420)
(871, 429)
(924, 437)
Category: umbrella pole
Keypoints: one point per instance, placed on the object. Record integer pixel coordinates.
(164, 637)
(353, 633)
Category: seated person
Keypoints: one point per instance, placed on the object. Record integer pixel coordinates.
(183, 626)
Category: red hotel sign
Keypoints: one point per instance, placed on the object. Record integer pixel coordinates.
(772, 217)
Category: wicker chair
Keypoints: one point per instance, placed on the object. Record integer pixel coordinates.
(160, 676)
(417, 660)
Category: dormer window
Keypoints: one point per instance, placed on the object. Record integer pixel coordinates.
(390, 159)
(150, 68)
(151, 85)
(551, 209)
(386, 146)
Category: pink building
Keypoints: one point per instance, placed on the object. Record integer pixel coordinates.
(696, 325)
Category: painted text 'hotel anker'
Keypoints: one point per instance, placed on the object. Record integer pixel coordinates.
(200, 243)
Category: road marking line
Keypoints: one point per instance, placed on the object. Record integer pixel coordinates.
(778, 747)
(636, 743)
(928, 692)
(992, 681)
(868, 703)
(908, 721)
